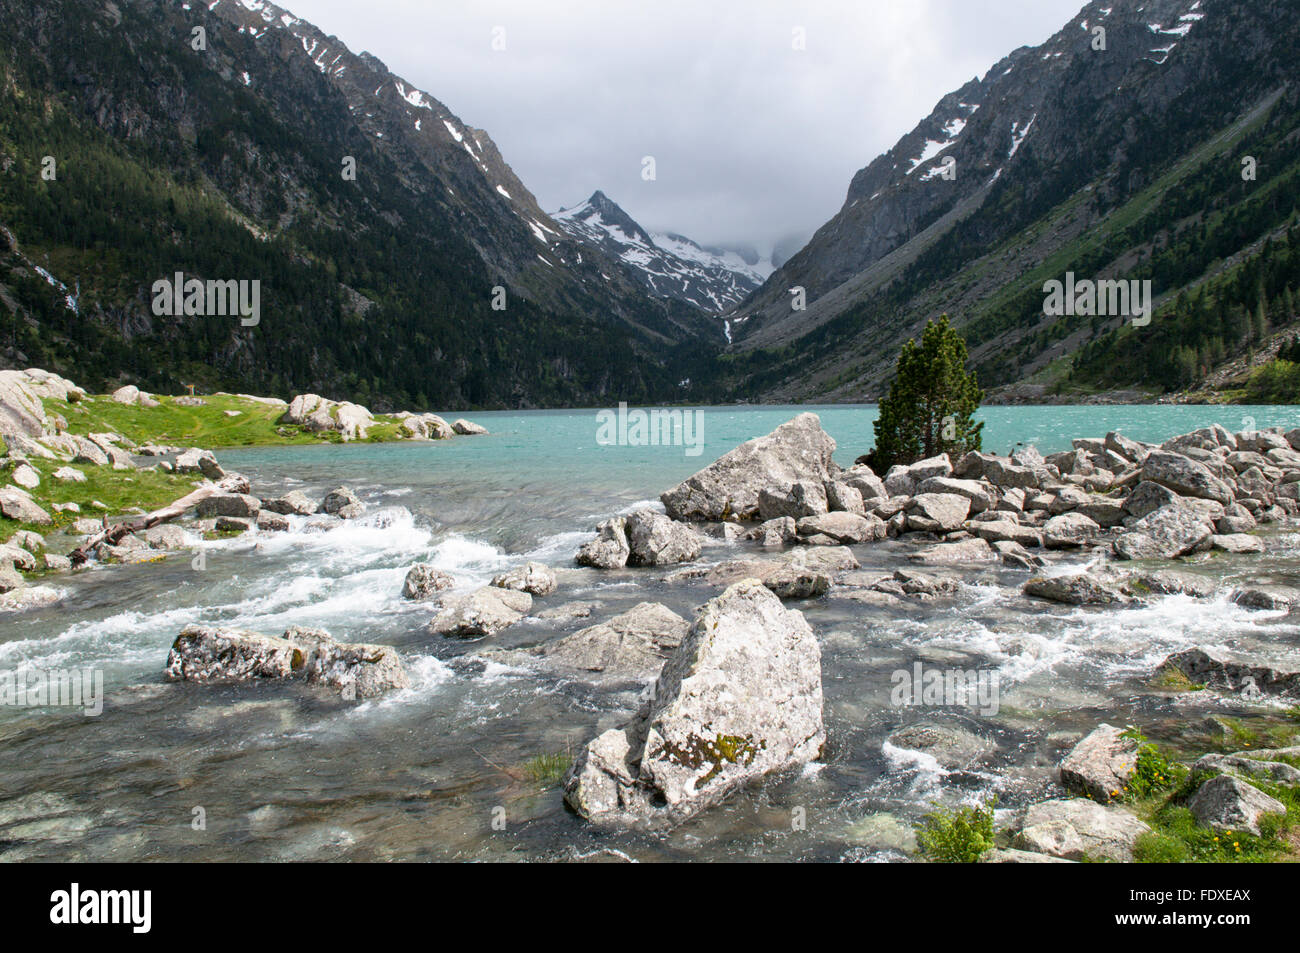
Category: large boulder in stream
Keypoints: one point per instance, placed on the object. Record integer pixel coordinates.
(655, 540)
(798, 450)
(483, 612)
(213, 654)
(610, 549)
(1200, 668)
(627, 651)
(741, 698)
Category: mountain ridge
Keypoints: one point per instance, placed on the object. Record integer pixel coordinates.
(668, 264)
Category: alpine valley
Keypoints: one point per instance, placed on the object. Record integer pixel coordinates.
(396, 242)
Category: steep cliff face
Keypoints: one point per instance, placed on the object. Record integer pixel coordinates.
(1009, 171)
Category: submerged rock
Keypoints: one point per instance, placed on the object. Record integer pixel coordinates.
(739, 699)
(729, 487)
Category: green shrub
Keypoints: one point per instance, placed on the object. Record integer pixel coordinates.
(958, 836)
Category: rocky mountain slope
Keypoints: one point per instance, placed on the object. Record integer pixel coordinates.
(670, 266)
(233, 140)
(1122, 161)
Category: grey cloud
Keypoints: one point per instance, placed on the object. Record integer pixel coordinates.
(753, 140)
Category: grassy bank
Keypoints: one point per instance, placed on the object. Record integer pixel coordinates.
(220, 421)
(105, 491)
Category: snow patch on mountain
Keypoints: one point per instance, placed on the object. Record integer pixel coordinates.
(668, 264)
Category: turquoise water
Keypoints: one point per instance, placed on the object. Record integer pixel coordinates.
(540, 472)
(286, 774)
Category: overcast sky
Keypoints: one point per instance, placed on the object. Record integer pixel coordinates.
(753, 140)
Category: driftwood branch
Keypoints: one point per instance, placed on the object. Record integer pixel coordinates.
(112, 535)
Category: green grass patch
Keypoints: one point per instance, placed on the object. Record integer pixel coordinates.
(220, 421)
(119, 490)
(1153, 772)
(547, 768)
(1177, 838)
(1263, 732)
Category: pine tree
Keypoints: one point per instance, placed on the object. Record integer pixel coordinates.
(931, 404)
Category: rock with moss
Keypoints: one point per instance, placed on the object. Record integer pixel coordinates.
(1253, 765)
(319, 415)
(214, 654)
(356, 670)
(740, 699)
(1201, 668)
